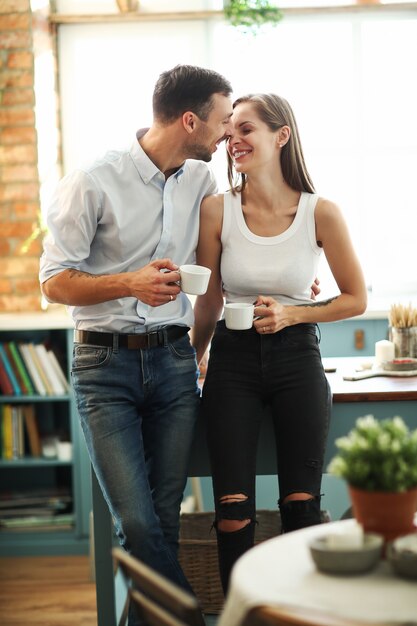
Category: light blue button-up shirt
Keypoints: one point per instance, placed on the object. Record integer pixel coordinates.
(117, 216)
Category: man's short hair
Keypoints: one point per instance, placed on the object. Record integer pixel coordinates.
(187, 88)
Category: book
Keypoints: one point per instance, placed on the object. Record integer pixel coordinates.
(7, 432)
(52, 497)
(55, 383)
(37, 380)
(38, 528)
(15, 369)
(17, 432)
(32, 430)
(26, 511)
(6, 386)
(58, 370)
(54, 501)
(52, 506)
(22, 368)
(40, 369)
(3, 356)
(39, 522)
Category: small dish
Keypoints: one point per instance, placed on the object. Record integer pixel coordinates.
(347, 560)
(400, 365)
(402, 555)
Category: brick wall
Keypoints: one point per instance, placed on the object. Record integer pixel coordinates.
(19, 181)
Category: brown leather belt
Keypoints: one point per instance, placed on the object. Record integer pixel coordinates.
(133, 342)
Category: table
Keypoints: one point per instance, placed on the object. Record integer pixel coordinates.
(381, 396)
(281, 572)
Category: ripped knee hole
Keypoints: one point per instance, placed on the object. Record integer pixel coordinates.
(236, 497)
(232, 525)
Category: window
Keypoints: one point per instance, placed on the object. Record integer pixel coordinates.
(350, 78)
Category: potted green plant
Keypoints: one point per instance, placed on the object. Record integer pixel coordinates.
(251, 14)
(378, 460)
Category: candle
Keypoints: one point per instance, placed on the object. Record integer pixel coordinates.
(384, 351)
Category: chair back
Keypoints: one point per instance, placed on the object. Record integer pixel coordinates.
(158, 601)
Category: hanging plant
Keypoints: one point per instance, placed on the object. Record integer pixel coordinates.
(251, 14)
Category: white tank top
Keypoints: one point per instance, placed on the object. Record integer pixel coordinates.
(283, 266)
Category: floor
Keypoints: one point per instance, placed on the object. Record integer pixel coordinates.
(50, 591)
(47, 591)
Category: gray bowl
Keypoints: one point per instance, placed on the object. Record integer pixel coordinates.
(347, 561)
(402, 555)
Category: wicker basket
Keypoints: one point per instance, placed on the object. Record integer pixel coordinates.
(198, 553)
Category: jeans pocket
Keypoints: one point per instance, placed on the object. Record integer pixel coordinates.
(89, 357)
(302, 338)
(182, 348)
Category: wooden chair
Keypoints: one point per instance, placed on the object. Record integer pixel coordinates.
(279, 616)
(158, 601)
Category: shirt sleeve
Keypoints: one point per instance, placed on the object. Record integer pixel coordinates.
(72, 220)
(212, 186)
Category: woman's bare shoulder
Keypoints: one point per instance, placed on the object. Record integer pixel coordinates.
(327, 210)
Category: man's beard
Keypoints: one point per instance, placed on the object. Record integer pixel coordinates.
(200, 152)
(198, 147)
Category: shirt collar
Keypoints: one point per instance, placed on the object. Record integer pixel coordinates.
(147, 168)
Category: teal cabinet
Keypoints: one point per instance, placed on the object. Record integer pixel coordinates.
(49, 481)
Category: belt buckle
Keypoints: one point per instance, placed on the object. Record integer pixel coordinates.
(154, 338)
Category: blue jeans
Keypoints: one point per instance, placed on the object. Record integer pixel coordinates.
(138, 410)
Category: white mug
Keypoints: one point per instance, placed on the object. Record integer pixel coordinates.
(194, 279)
(64, 449)
(238, 315)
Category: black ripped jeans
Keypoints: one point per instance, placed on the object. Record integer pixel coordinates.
(247, 372)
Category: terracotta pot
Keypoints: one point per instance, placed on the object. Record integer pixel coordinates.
(389, 514)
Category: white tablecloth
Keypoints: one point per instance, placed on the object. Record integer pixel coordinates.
(281, 572)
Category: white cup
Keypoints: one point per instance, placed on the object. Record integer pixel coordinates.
(64, 449)
(49, 447)
(238, 315)
(194, 279)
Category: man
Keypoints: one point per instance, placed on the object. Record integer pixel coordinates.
(118, 232)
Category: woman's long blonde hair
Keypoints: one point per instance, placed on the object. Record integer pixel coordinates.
(275, 112)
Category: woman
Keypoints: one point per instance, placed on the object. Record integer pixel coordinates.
(262, 241)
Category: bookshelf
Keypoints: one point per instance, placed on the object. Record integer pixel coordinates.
(45, 484)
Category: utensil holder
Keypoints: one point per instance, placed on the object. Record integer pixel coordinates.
(404, 340)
